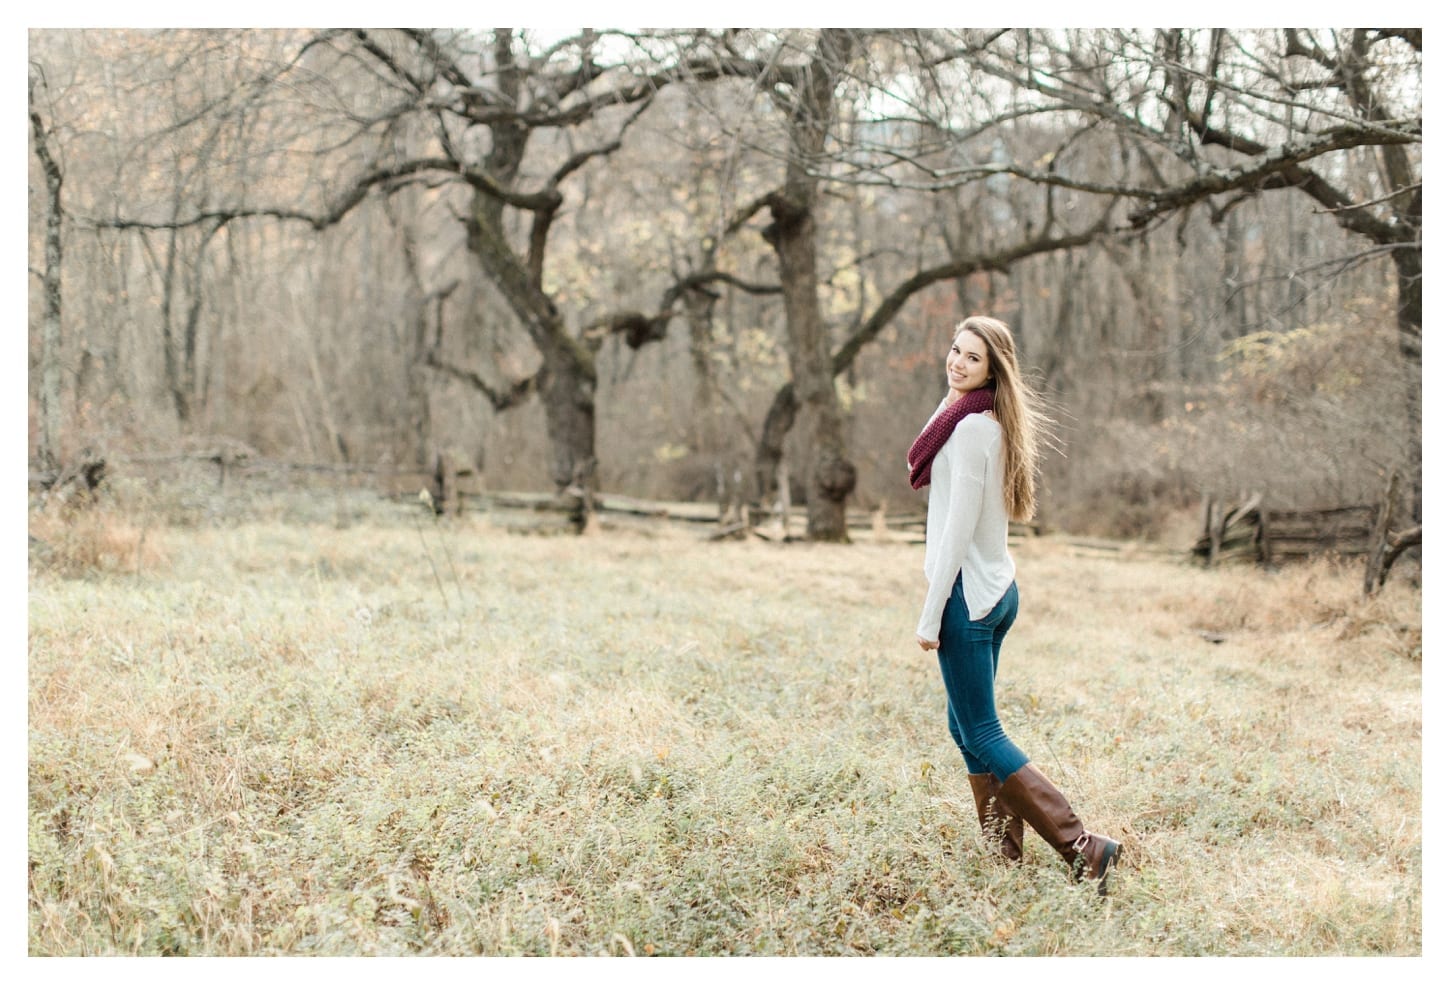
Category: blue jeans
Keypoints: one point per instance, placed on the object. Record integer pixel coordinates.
(968, 657)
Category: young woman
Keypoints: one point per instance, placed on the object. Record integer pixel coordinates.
(979, 455)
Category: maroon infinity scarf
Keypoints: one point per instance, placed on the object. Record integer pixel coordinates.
(940, 428)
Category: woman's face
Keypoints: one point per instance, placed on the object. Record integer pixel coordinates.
(966, 364)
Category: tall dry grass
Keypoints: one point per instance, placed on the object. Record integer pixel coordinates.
(400, 739)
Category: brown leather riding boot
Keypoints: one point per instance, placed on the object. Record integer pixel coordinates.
(998, 824)
(1032, 797)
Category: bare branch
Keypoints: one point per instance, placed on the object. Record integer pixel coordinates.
(1295, 175)
(1417, 186)
(745, 212)
(445, 65)
(1283, 160)
(515, 394)
(701, 279)
(999, 260)
(943, 179)
(546, 200)
(580, 158)
(373, 48)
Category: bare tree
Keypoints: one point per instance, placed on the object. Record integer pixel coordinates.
(819, 150)
(319, 229)
(811, 110)
(486, 119)
(1216, 118)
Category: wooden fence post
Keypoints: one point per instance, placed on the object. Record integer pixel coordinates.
(1215, 530)
(1386, 547)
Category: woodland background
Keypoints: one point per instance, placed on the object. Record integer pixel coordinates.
(684, 265)
(664, 262)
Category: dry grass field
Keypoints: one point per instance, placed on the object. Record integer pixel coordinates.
(393, 737)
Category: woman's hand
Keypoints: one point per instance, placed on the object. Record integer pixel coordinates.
(927, 644)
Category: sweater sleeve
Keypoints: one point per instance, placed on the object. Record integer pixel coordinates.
(966, 484)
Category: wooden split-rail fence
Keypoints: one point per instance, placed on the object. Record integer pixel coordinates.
(1248, 532)
(1252, 532)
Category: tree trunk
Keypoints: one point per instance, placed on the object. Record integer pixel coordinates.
(181, 355)
(567, 389)
(1408, 269)
(705, 431)
(770, 450)
(830, 476)
(175, 383)
(704, 425)
(1235, 278)
(415, 439)
(567, 378)
(48, 452)
(418, 414)
(1399, 173)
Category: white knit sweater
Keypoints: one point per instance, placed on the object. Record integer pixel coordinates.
(966, 523)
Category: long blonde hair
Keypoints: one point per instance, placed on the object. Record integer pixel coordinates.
(1018, 410)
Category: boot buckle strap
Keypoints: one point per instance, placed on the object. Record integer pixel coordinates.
(1081, 843)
